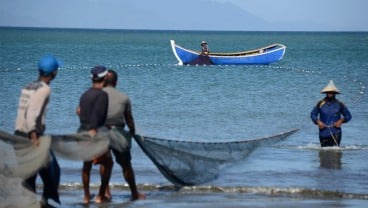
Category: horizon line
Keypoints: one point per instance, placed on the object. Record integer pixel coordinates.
(184, 30)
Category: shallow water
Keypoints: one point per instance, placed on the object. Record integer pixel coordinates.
(210, 103)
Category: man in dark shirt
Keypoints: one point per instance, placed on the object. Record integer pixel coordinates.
(92, 111)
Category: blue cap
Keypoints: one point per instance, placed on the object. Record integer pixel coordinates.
(98, 71)
(48, 64)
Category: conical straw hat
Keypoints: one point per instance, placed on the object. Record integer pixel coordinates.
(330, 88)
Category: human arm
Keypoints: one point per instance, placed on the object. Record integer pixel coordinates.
(339, 122)
(98, 114)
(33, 136)
(130, 122)
(91, 132)
(77, 111)
(346, 116)
(315, 118)
(205, 49)
(128, 115)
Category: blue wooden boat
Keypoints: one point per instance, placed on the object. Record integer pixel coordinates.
(265, 55)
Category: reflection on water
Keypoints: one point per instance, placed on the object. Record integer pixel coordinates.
(330, 159)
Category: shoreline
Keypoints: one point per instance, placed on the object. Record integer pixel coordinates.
(170, 198)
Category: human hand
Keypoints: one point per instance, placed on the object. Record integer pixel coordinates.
(92, 132)
(34, 138)
(321, 125)
(338, 123)
(77, 111)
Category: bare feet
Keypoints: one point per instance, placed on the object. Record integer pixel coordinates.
(87, 198)
(108, 193)
(139, 196)
(102, 199)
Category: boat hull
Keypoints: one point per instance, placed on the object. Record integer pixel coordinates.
(265, 55)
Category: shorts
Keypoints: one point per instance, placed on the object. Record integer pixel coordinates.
(102, 159)
(122, 157)
(333, 140)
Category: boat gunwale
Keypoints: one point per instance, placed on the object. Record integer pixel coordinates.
(258, 51)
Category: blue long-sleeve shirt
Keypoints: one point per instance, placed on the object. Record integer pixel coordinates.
(330, 111)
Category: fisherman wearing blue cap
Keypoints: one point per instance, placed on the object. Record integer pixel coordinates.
(30, 123)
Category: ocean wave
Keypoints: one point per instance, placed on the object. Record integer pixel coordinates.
(261, 190)
(315, 146)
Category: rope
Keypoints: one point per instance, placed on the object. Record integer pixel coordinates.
(119, 66)
(332, 135)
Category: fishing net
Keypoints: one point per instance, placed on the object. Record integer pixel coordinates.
(19, 157)
(13, 193)
(189, 163)
(81, 146)
(183, 163)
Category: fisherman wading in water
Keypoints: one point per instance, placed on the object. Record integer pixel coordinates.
(329, 114)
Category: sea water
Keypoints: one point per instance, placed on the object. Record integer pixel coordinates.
(209, 103)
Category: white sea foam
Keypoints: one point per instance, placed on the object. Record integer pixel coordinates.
(316, 146)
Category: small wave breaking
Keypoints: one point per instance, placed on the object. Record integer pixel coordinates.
(315, 146)
(261, 190)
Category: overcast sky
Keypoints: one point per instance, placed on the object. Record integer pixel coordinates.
(239, 15)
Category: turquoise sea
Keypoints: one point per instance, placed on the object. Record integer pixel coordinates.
(209, 103)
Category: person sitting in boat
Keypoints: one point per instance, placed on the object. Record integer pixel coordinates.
(204, 46)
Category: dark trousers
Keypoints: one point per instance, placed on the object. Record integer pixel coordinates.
(50, 176)
(333, 140)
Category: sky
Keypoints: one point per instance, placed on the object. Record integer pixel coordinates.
(219, 15)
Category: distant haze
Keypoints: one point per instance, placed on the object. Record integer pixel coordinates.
(223, 15)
